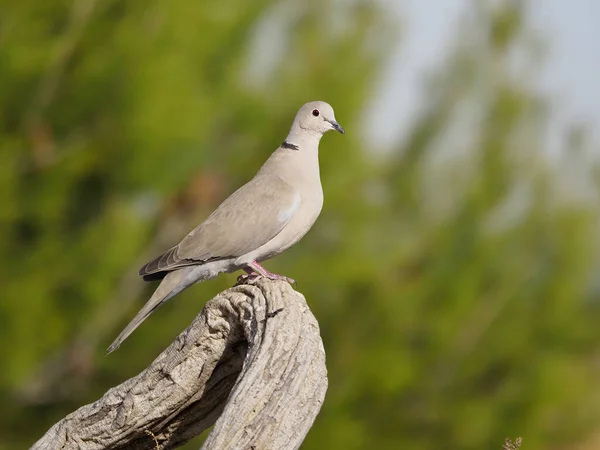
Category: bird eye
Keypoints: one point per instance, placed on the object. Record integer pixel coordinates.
(316, 112)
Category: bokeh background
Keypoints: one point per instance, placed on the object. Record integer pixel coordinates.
(454, 269)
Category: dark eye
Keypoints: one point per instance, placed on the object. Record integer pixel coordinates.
(316, 112)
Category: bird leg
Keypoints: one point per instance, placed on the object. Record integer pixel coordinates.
(256, 267)
(249, 276)
(255, 270)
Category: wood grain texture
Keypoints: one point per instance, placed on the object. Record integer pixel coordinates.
(252, 361)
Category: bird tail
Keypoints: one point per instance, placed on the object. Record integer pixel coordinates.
(172, 284)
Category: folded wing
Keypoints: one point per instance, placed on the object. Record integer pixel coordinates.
(248, 219)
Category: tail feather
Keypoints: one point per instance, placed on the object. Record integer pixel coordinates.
(172, 284)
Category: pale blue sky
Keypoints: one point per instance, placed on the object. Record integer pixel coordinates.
(572, 30)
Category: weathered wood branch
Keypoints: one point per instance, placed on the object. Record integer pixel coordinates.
(252, 361)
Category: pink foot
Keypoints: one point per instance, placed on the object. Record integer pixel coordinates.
(255, 270)
(248, 277)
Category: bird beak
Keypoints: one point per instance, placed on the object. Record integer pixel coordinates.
(336, 126)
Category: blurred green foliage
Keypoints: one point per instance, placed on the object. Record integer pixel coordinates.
(453, 283)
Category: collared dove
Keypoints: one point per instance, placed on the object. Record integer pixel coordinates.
(261, 219)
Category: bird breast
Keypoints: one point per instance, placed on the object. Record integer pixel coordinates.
(301, 222)
(298, 226)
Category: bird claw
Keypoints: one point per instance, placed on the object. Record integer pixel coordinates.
(289, 280)
(254, 271)
(250, 278)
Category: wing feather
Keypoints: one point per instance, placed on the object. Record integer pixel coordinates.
(245, 221)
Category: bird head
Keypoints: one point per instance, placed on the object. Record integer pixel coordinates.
(318, 118)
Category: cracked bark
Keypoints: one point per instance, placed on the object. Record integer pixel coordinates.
(252, 361)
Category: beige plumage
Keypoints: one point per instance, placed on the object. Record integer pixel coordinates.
(261, 219)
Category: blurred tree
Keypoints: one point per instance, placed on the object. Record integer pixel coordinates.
(451, 278)
(458, 311)
(124, 121)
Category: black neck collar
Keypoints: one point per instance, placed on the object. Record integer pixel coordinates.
(289, 146)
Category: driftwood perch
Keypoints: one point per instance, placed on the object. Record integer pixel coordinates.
(253, 359)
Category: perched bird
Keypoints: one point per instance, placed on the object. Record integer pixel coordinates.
(261, 219)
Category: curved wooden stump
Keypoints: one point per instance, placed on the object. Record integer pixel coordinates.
(253, 359)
